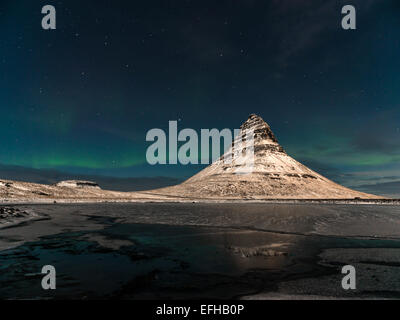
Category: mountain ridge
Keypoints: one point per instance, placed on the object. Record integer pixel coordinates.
(274, 174)
(270, 175)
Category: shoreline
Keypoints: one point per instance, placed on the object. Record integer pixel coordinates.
(11, 202)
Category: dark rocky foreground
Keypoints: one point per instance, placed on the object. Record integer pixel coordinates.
(12, 213)
(11, 216)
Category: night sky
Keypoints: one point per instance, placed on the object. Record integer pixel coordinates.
(82, 97)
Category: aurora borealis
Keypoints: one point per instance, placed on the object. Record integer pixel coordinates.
(82, 97)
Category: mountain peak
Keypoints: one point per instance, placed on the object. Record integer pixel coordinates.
(273, 175)
(264, 138)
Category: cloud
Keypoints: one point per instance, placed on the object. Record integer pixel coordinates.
(387, 189)
(352, 177)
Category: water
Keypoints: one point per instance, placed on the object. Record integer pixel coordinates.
(124, 260)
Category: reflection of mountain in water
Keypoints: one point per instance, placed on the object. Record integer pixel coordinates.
(147, 262)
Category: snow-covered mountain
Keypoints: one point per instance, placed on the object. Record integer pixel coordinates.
(272, 174)
(268, 173)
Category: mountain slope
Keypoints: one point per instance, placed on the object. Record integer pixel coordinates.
(271, 175)
(274, 175)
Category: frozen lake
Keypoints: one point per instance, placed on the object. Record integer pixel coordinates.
(136, 251)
